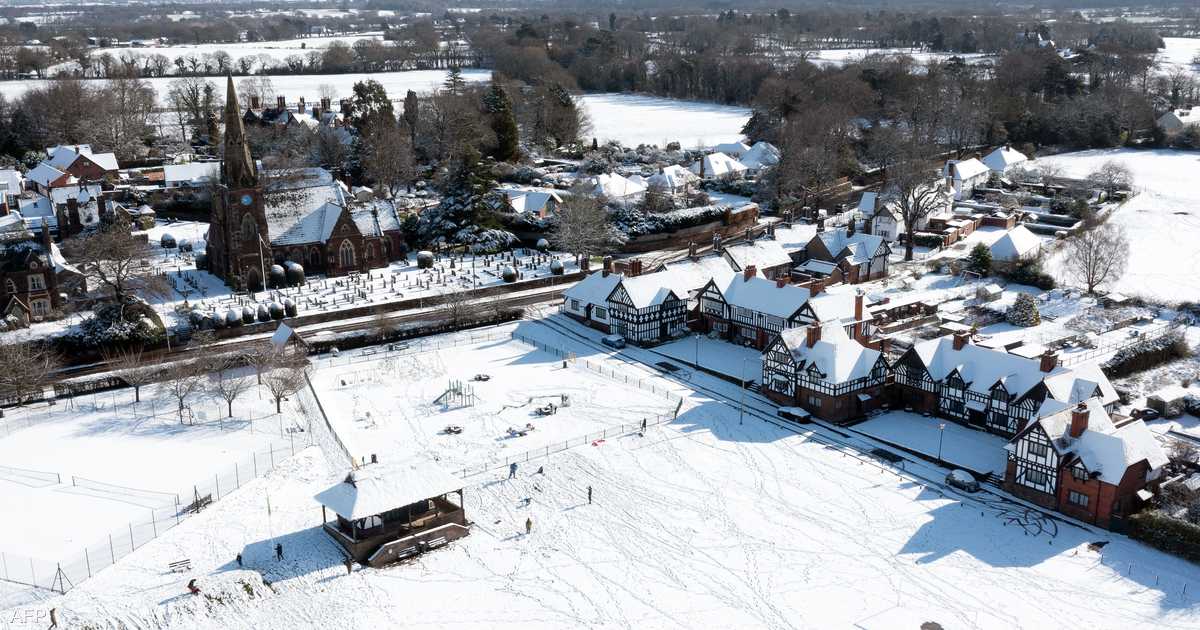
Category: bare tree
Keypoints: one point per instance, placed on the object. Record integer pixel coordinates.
(184, 378)
(582, 225)
(113, 261)
(1111, 177)
(285, 380)
(124, 114)
(261, 357)
(229, 387)
(457, 308)
(128, 362)
(388, 158)
(1096, 256)
(917, 193)
(28, 368)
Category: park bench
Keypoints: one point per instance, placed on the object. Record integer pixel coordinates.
(180, 566)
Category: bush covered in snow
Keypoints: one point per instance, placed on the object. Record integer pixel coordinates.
(467, 214)
(1147, 354)
(116, 324)
(635, 222)
(1023, 312)
(1172, 535)
(609, 156)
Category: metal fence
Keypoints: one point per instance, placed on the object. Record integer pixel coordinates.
(619, 376)
(1112, 347)
(163, 511)
(405, 348)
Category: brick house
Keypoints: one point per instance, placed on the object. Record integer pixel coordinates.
(824, 371)
(80, 162)
(31, 270)
(844, 255)
(1079, 462)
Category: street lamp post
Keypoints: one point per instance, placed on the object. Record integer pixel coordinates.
(742, 403)
(941, 432)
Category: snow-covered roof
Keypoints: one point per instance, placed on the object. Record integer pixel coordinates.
(866, 203)
(857, 247)
(688, 276)
(1016, 244)
(615, 186)
(1185, 116)
(763, 296)
(375, 217)
(735, 149)
(717, 165)
(594, 289)
(761, 155)
(377, 488)
(833, 306)
(281, 336)
(81, 194)
(77, 148)
(11, 182)
(763, 254)
(1103, 448)
(303, 207)
(821, 267)
(796, 237)
(650, 289)
(836, 355)
(530, 199)
(37, 210)
(965, 169)
(62, 157)
(43, 174)
(1002, 158)
(672, 177)
(193, 173)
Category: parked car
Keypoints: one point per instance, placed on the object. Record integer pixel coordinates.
(613, 341)
(795, 414)
(1145, 413)
(962, 480)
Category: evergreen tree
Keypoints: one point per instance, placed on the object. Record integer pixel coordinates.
(503, 123)
(455, 83)
(1023, 312)
(369, 103)
(411, 115)
(980, 260)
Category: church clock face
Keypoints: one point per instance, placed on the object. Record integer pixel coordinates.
(247, 200)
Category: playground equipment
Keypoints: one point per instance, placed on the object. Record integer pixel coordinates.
(457, 395)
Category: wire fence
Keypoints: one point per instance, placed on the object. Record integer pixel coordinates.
(1112, 347)
(29, 477)
(163, 512)
(405, 348)
(619, 376)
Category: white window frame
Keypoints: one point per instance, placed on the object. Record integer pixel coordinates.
(37, 282)
(1077, 499)
(39, 308)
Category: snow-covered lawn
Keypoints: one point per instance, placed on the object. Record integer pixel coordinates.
(398, 406)
(634, 120)
(1161, 220)
(842, 56)
(702, 523)
(1179, 53)
(715, 354)
(108, 438)
(960, 446)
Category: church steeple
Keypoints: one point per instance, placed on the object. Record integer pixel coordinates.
(237, 169)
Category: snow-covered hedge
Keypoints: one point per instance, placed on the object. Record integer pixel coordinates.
(633, 222)
(1146, 354)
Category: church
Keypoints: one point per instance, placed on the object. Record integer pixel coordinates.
(260, 219)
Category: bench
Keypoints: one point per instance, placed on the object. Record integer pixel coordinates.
(180, 566)
(199, 504)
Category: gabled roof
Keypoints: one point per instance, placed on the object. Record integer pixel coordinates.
(192, 173)
(11, 182)
(858, 248)
(594, 289)
(1015, 244)
(529, 198)
(1002, 158)
(377, 488)
(1102, 449)
(796, 237)
(671, 177)
(43, 174)
(62, 157)
(735, 149)
(761, 155)
(81, 194)
(763, 254)
(375, 217)
(650, 289)
(763, 296)
(615, 186)
(717, 165)
(965, 169)
(981, 367)
(303, 207)
(836, 355)
(830, 307)
(685, 277)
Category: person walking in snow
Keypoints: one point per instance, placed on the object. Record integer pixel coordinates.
(239, 560)
(643, 425)
(589, 495)
(192, 588)
(512, 470)
(53, 619)
(528, 525)
(279, 551)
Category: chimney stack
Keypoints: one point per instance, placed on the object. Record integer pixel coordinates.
(961, 339)
(3, 205)
(692, 250)
(850, 227)
(635, 267)
(1079, 420)
(749, 272)
(73, 215)
(717, 243)
(255, 102)
(748, 235)
(781, 281)
(300, 106)
(787, 218)
(280, 103)
(325, 103)
(815, 286)
(1049, 361)
(607, 269)
(820, 224)
(858, 306)
(346, 108)
(812, 335)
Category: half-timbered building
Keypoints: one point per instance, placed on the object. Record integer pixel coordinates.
(824, 371)
(751, 310)
(990, 389)
(768, 256)
(1079, 462)
(645, 310)
(587, 300)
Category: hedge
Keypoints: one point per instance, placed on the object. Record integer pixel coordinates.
(1172, 535)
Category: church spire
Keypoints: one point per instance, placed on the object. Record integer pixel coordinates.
(237, 169)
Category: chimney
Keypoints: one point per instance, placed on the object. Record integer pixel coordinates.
(607, 266)
(1079, 420)
(635, 267)
(749, 272)
(73, 215)
(1049, 361)
(747, 235)
(787, 217)
(255, 102)
(781, 281)
(374, 459)
(812, 335)
(771, 231)
(858, 306)
(820, 224)
(45, 235)
(3, 205)
(346, 108)
(961, 339)
(815, 286)
(850, 227)
(325, 103)
(692, 250)
(316, 112)
(280, 103)
(300, 106)
(717, 243)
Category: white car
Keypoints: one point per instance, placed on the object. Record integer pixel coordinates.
(613, 341)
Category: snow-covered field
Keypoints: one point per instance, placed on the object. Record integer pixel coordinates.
(1161, 220)
(1179, 53)
(977, 450)
(634, 120)
(701, 523)
(409, 417)
(107, 437)
(840, 57)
